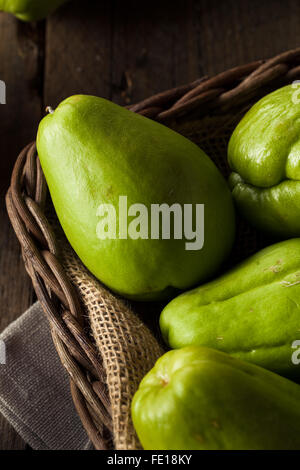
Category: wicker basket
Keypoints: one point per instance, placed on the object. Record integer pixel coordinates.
(205, 111)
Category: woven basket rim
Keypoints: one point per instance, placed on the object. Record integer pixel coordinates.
(25, 202)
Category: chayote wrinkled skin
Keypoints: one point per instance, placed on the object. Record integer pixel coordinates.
(92, 152)
(264, 154)
(201, 399)
(252, 312)
(30, 10)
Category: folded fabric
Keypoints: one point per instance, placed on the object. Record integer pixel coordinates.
(34, 387)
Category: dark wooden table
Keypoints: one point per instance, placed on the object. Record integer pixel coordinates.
(124, 51)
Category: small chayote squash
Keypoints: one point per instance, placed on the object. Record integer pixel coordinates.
(30, 10)
(252, 312)
(264, 155)
(202, 399)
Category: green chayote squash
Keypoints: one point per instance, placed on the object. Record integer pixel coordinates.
(252, 312)
(264, 154)
(202, 399)
(30, 10)
(94, 152)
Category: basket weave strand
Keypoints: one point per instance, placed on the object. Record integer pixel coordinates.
(102, 343)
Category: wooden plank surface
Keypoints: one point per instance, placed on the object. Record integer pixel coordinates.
(20, 69)
(124, 51)
(78, 52)
(233, 33)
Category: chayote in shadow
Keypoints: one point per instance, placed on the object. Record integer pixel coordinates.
(30, 10)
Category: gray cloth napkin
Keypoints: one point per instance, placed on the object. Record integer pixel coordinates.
(34, 387)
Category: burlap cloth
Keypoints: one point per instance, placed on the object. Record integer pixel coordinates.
(128, 348)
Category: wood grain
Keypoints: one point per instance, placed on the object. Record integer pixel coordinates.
(153, 47)
(78, 52)
(21, 70)
(233, 33)
(131, 52)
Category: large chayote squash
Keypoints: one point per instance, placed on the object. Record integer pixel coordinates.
(202, 399)
(94, 152)
(264, 154)
(252, 312)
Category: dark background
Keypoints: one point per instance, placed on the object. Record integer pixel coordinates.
(124, 51)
